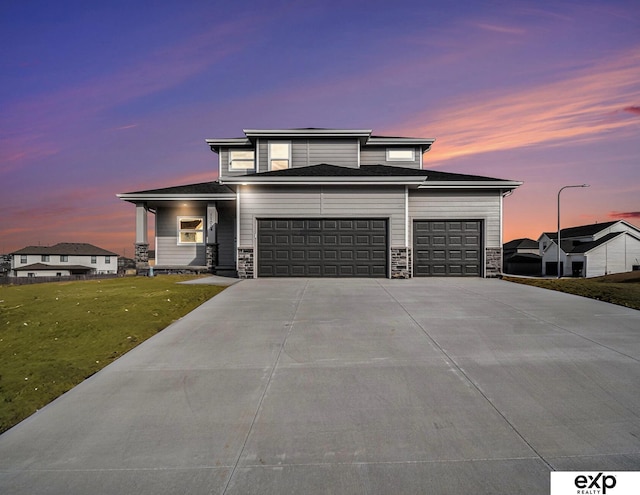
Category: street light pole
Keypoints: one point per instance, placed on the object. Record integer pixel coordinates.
(562, 189)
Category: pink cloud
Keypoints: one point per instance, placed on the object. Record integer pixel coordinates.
(633, 109)
(624, 214)
(577, 108)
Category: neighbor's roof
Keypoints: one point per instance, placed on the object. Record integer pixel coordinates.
(581, 230)
(43, 266)
(523, 243)
(584, 247)
(68, 248)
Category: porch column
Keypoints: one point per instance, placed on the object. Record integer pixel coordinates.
(142, 242)
(212, 237)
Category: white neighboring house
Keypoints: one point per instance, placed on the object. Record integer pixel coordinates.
(592, 250)
(63, 260)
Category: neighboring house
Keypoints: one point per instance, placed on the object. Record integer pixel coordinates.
(325, 203)
(591, 250)
(63, 260)
(5, 264)
(522, 257)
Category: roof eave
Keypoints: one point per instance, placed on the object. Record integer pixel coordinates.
(471, 184)
(132, 197)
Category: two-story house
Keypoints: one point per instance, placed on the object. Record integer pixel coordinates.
(326, 203)
(591, 250)
(63, 260)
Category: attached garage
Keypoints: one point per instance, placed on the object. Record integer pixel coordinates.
(447, 248)
(322, 247)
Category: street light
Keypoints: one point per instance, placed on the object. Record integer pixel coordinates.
(562, 189)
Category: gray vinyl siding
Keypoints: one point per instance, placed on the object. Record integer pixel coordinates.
(305, 152)
(378, 156)
(322, 202)
(460, 205)
(168, 252)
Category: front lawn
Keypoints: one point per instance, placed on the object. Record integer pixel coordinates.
(621, 288)
(54, 335)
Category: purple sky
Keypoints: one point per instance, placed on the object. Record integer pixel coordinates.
(99, 98)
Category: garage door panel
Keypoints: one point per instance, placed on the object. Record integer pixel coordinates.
(447, 248)
(341, 247)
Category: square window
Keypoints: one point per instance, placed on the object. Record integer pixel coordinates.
(190, 230)
(241, 160)
(23, 258)
(64, 258)
(400, 154)
(44, 257)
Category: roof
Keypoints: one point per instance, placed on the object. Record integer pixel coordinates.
(68, 248)
(584, 247)
(523, 243)
(524, 258)
(327, 170)
(581, 230)
(43, 266)
(363, 135)
(202, 190)
(213, 187)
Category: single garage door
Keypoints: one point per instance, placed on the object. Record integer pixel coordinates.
(447, 248)
(322, 247)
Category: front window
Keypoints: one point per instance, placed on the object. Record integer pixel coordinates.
(23, 258)
(64, 258)
(107, 259)
(279, 155)
(94, 260)
(241, 160)
(190, 230)
(400, 154)
(45, 257)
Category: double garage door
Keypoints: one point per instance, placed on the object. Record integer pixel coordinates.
(322, 247)
(444, 248)
(358, 247)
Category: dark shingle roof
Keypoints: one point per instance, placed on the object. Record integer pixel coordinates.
(523, 243)
(201, 188)
(581, 230)
(68, 248)
(583, 247)
(326, 170)
(42, 266)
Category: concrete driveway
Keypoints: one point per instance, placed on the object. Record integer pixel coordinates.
(275, 386)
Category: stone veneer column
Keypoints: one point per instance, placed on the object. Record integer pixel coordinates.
(493, 262)
(142, 255)
(400, 262)
(245, 262)
(212, 257)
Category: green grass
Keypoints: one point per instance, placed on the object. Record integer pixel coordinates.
(54, 335)
(622, 288)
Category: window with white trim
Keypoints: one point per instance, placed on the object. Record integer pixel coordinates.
(107, 259)
(401, 154)
(23, 258)
(190, 230)
(94, 260)
(241, 160)
(44, 257)
(279, 155)
(64, 258)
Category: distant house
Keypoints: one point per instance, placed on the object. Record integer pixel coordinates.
(522, 257)
(591, 250)
(63, 260)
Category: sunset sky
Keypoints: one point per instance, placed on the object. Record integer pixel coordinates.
(98, 98)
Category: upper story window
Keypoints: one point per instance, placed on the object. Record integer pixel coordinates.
(107, 259)
(64, 258)
(190, 230)
(279, 155)
(44, 257)
(94, 260)
(401, 155)
(23, 258)
(241, 160)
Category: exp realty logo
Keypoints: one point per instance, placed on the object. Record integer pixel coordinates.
(595, 483)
